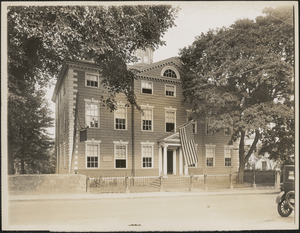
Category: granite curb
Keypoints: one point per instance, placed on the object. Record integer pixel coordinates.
(92, 196)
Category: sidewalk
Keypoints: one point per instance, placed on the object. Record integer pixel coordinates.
(92, 196)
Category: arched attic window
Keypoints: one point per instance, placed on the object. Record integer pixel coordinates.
(170, 72)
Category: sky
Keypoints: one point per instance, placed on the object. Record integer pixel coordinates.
(198, 17)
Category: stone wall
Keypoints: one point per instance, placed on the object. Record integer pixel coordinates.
(46, 184)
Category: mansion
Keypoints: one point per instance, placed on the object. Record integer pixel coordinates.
(92, 140)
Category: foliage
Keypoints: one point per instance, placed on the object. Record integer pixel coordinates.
(242, 77)
(28, 138)
(40, 38)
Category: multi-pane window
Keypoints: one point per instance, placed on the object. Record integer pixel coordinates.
(147, 155)
(120, 118)
(170, 120)
(92, 115)
(120, 156)
(92, 80)
(147, 87)
(147, 120)
(210, 156)
(170, 73)
(170, 90)
(227, 157)
(92, 155)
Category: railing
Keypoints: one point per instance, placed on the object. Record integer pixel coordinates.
(205, 182)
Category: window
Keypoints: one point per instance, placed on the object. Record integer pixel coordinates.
(227, 157)
(92, 80)
(120, 118)
(147, 120)
(92, 154)
(92, 115)
(147, 87)
(210, 156)
(170, 119)
(147, 155)
(120, 154)
(227, 131)
(170, 73)
(170, 90)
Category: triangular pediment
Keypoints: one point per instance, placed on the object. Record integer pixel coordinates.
(171, 138)
(154, 70)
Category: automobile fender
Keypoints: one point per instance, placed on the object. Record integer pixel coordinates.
(287, 198)
(280, 197)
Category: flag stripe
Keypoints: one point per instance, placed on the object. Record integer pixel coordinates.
(188, 144)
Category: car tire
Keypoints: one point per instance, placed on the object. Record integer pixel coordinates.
(283, 209)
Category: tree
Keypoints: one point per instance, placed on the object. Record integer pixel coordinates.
(242, 77)
(28, 138)
(40, 38)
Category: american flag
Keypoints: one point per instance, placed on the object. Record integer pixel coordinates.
(188, 144)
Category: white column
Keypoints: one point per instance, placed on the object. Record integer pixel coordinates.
(160, 160)
(180, 162)
(165, 160)
(174, 162)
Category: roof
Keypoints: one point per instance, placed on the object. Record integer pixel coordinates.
(140, 68)
(144, 67)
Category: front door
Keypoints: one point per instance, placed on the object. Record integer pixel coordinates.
(170, 162)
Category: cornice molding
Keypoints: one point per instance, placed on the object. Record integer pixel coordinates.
(159, 79)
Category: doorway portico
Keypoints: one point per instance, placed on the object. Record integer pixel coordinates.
(171, 161)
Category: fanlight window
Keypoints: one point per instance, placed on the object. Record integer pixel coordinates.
(170, 73)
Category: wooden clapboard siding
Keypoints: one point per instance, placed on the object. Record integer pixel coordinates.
(73, 76)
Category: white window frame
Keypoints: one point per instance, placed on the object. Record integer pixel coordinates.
(170, 68)
(92, 74)
(89, 102)
(170, 109)
(146, 81)
(151, 144)
(225, 155)
(92, 142)
(147, 107)
(214, 154)
(120, 143)
(170, 85)
(115, 112)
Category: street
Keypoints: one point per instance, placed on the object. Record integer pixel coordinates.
(215, 212)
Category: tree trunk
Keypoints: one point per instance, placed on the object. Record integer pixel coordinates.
(240, 178)
(10, 159)
(22, 166)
